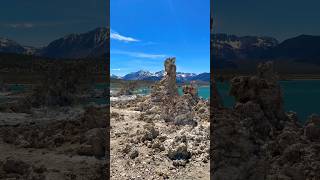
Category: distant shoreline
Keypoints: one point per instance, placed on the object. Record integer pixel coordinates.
(222, 76)
(300, 79)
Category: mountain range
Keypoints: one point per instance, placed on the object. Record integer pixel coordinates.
(181, 77)
(73, 46)
(229, 50)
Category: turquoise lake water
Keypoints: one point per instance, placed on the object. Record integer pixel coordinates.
(203, 91)
(301, 96)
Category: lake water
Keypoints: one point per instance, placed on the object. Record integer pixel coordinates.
(203, 91)
(19, 88)
(301, 96)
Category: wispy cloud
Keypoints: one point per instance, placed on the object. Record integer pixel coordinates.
(139, 54)
(116, 69)
(116, 36)
(26, 25)
(20, 25)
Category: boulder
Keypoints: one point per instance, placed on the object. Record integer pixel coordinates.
(312, 128)
(262, 89)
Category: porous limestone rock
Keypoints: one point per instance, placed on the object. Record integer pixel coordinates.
(312, 128)
(263, 90)
(257, 139)
(166, 89)
(215, 99)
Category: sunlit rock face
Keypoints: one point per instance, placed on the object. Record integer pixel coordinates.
(166, 89)
(174, 108)
(170, 77)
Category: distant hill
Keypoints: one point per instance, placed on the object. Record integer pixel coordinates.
(10, 46)
(229, 51)
(74, 46)
(201, 77)
(90, 44)
(115, 76)
(234, 47)
(304, 48)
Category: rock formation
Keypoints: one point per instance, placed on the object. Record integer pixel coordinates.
(167, 134)
(166, 89)
(257, 139)
(175, 108)
(191, 89)
(128, 89)
(260, 96)
(215, 99)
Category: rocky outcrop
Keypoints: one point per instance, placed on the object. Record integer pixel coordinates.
(263, 90)
(128, 89)
(175, 108)
(63, 84)
(312, 128)
(191, 89)
(166, 89)
(86, 132)
(215, 99)
(257, 139)
(164, 134)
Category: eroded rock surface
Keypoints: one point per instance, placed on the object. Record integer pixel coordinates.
(215, 99)
(162, 135)
(54, 144)
(257, 139)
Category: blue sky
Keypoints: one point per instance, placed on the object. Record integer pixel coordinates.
(277, 18)
(144, 33)
(38, 22)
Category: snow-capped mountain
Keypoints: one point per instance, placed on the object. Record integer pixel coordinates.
(159, 73)
(235, 47)
(229, 49)
(113, 76)
(181, 77)
(185, 75)
(140, 75)
(10, 46)
(30, 50)
(90, 44)
(201, 77)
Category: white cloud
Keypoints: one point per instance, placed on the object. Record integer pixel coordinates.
(139, 54)
(116, 36)
(116, 69)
